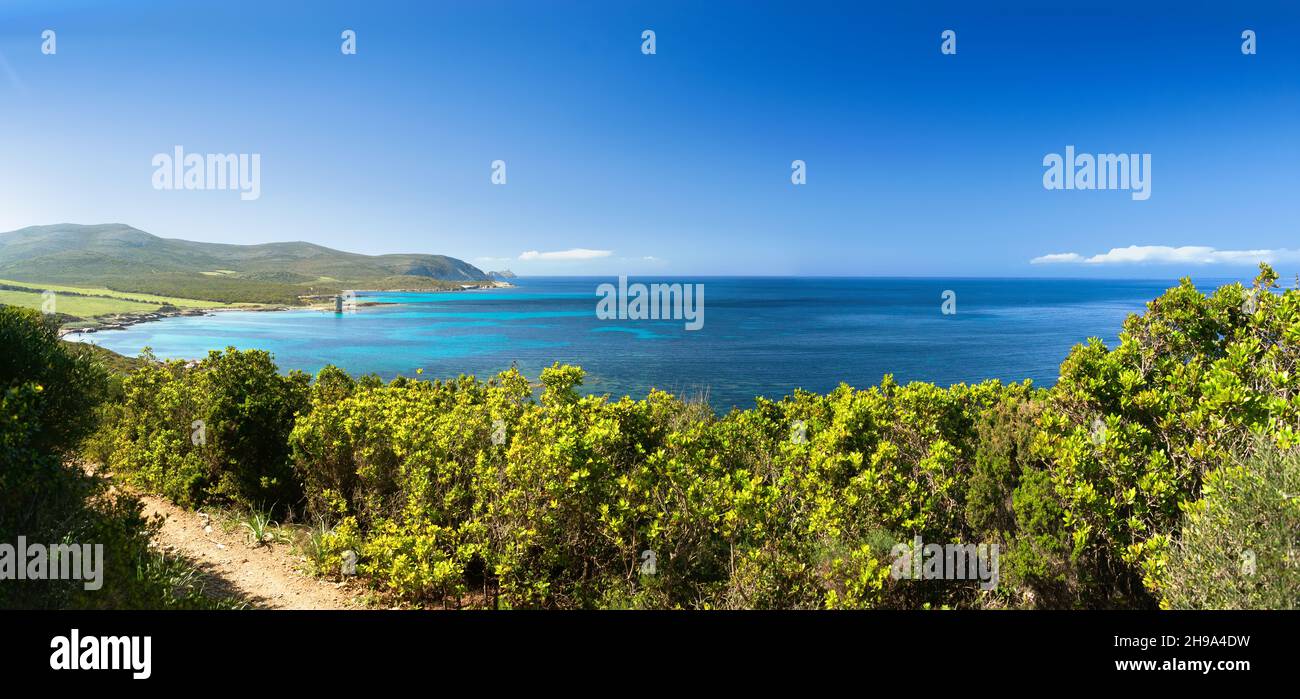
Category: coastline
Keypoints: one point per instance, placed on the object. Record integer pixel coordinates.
(122, 321)
(481, 334)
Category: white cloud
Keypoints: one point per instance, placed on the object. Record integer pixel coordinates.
(1164, 254)
(573, 254)
(1057, 257)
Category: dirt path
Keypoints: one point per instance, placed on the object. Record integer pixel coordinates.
(266, 577)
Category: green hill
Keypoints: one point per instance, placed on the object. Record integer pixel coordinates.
(122, 258)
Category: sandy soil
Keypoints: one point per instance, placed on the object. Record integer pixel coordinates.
(268, 577)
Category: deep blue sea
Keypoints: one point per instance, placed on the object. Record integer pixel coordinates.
(761, 335)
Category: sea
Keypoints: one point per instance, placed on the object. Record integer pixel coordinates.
(760, 336)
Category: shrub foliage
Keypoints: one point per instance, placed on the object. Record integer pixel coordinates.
(49, 393)
(1098, 491)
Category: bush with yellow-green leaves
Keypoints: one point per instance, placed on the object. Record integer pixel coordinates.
(479, 493)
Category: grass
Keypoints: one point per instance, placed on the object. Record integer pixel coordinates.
(103, 291)
(79, 306)
(87, 303)
(309, 543)
(182, 584)
(260, 528)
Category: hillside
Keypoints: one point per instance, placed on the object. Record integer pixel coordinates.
(123, 258)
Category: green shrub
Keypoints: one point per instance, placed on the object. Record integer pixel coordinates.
(48, 398)
(214, 433)
(1129, 432)
(467, 492)
(1239, 546)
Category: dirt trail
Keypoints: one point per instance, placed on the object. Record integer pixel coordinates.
(266, 577)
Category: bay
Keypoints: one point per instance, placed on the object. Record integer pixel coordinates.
(762, 336)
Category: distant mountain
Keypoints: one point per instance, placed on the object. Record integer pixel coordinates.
(69, 252)
(128, 259)
(501, 275)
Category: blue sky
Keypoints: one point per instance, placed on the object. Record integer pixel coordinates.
(677, 163)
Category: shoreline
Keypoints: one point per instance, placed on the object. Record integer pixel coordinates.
(122, 321)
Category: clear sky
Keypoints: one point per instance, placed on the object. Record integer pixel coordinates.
(676, 163)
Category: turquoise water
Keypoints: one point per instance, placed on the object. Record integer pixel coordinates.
(761, 336)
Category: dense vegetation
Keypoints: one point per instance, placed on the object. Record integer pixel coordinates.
(48, 397)
(212, 287)
(1144, 477)
(1247, 521)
